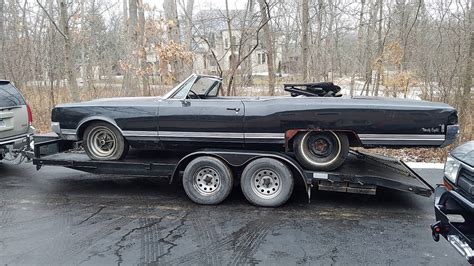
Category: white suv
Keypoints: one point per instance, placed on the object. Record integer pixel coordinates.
(15, 119)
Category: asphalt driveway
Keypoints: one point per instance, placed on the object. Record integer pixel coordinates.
(63, 217)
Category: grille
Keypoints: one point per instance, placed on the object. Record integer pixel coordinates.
(465, 173)
(466, 181)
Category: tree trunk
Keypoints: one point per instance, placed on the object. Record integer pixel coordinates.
(141, 48)
(189, 23)
(133, 20)
(130, 79)
(2, 39)
(466, 114)
(189, 33)
(171, 16)
(232, 63)
(318, 64)
(304, 39)
(247, 70)
(368, 49)
(68, 52)
(380, 45)
(360, 32)
(268, 43)
(125, 14)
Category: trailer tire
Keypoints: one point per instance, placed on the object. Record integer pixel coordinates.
(207, 180)
(267, 182)
(321, 150)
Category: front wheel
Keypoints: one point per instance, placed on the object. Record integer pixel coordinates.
(321, 150)
(104, 142)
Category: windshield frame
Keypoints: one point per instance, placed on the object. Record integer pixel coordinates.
(192, 79)
(179, 87)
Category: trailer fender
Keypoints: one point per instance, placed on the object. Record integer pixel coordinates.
(240, 159)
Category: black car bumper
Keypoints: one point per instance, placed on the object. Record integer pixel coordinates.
(450, 206)
(452, 132)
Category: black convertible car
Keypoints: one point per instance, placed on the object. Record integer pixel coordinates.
(315, 123)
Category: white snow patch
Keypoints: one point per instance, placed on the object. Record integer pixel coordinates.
(419, 165)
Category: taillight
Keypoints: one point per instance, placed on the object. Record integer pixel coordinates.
(30, 115)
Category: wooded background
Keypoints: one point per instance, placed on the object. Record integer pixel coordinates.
(62, 50)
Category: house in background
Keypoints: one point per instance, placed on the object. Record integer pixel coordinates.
(212, 44)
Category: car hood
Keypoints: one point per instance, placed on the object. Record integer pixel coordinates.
(465, 153)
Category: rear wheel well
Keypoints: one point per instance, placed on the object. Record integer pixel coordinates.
(83, 126)
(354, 140)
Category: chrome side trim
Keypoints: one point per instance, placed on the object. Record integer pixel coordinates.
(213, 135)
(400, 137)
(264, 135)
(68, 131)
(131, 133)
(219, 135)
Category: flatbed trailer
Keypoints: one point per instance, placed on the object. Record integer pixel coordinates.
(361, 173)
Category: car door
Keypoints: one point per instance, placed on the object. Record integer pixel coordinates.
(201, 123)
(13, 112)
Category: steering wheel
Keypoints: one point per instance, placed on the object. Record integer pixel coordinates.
(195, 94)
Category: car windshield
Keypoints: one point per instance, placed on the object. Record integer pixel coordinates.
(9, 95)
(195, 85)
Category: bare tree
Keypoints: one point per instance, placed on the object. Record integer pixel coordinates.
(304, 39)
(2, 36)
(268, 44)
(466, 114)
(171, 15)
(68, 52)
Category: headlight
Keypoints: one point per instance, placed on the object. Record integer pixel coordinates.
(451, 169)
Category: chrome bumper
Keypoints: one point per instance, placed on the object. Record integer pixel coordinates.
(67, 134)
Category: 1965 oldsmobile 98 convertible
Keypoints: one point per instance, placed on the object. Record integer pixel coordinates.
(315, 124)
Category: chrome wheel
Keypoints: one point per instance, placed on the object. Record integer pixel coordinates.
(102, 142)
(266, 184)
(207, 181)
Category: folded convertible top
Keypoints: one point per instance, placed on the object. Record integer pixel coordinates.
(319, 89)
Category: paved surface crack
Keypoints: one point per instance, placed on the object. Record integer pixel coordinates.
(170, 233)
(92, 215)
(124, 237)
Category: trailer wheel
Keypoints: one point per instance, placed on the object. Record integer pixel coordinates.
(104, 142)
(321, 150)
(207, 180)
(267, 182)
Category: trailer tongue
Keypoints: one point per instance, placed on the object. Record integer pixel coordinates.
(268, 185)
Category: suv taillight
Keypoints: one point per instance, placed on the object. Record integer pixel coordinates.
(30, 115)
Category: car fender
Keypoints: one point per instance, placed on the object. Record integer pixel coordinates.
(81, 126)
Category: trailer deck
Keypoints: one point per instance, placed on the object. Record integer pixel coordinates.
(361, 173)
